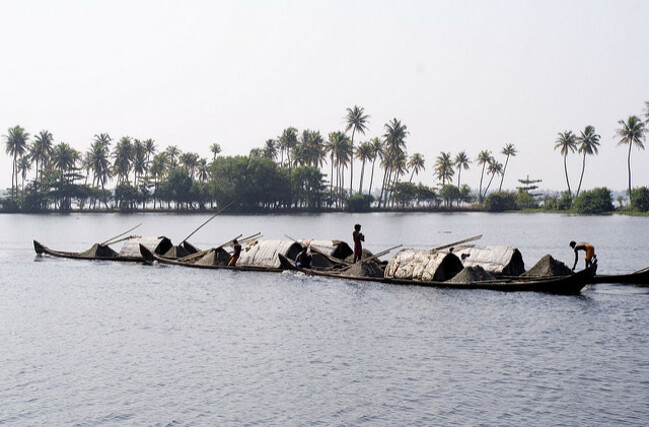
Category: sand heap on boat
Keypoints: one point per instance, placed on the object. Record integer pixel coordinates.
(548, 266)
(363, 269)
(471, 274)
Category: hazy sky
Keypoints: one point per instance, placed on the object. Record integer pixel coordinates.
(462, 75)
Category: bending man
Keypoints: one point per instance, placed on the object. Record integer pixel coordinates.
(590, 258)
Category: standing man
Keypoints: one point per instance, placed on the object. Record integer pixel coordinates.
(590, 259)
(235, 256)
(358, 246)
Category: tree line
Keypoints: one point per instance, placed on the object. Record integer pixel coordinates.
(297, 169)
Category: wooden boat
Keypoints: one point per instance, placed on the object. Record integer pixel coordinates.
(193, 262)
(640, 278)
(563, 285)
(102, 252)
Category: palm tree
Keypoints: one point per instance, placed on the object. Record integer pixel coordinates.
(16, 145)
(139, 160)
(270, 149)
(395, 145)
(632, 132)
(461, 162)
(65, 158)
(189, 162)
(356, 121)
(287, 141)
(100, 165)
(484, 158)
(158, 169)
(567, 142)
(363, 153)
(495, 168)
(340, 148)
(172, 152)
(123, 155)
(150, 149)
(377, 150)
(40, 151)
(24, 164)
(588, 142)
(311, 148)
(508, 150)
(416, 164)
(203, 171)
(444, 168)
(215, 149)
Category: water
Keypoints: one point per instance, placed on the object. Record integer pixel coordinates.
(107, 343)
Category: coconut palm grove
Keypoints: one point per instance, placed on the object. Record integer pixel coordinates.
(299, 170)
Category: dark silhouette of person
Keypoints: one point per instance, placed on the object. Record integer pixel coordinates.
(358, 246)
(235, 255)
(590, 258)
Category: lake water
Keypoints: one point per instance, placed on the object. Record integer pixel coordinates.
(102, 343)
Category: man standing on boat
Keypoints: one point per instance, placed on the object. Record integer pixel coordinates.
(590, 259)
(358, 246)
(235, 256)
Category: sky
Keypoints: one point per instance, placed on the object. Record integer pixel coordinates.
(461, 75)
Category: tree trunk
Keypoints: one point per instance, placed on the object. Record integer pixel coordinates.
(565, 168)
(480, 189)
(629, 166)
(369, 190)
(351, 168)
(583, 166)
(360, 186)
(502, 178)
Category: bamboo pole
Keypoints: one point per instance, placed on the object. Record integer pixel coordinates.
(107, 242)
(469, 239)
(210, 219)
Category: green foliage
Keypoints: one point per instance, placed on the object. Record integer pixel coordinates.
(499, 202)
(594, 201)
(465, 194)
(525, 200)
(360, 202)
(404, 193)
(426, 195)
(251, 183)
(307, 187)
(562, 203)
(640, 199)
(450, 193)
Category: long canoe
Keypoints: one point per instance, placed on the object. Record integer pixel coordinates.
(151, 257)
(640, 278)
(563, 285)
(99, 252)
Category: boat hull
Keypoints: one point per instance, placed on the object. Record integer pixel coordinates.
(563, 285)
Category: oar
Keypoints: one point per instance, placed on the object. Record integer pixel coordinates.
(379, 254)
(119, 235)
(210, 219)
(469, 239)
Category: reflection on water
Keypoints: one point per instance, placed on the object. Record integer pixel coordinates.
(100, 342)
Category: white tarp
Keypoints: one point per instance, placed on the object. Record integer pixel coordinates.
(423, 265)
(131, 247)
(263, 253)
(494, 259)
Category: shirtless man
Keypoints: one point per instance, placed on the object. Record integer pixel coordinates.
(590, 259)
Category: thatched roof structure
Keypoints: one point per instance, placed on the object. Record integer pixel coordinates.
(501, 260)
(176, 251)
(423, 265)
(99, 251)
(158, 245)
(263, 253)
(214, 256)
